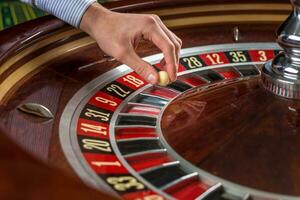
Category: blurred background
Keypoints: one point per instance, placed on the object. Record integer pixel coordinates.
(13, 12)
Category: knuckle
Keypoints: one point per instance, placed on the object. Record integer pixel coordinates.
(156, 17)
(177, 45)
(180, 42)
(150, 20)
(170, 47)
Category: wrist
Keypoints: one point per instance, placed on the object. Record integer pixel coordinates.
(95, 14)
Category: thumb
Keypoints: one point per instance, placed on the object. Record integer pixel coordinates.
(144, 69)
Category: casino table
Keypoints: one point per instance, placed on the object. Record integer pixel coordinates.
(76, 123)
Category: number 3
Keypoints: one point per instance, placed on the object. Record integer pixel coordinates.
(263, 56)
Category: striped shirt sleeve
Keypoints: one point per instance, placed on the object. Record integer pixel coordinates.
(70, 11)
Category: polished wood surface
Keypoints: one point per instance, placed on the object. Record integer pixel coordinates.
(53, 83)
(240, 132)
(57, 83)
(24, 177)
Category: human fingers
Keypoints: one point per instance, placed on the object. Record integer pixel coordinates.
(176, 41)
(129, 57)
(154, 33)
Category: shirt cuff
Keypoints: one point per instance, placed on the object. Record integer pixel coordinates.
(70, 11)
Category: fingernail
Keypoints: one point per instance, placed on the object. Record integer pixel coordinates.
(151, 79)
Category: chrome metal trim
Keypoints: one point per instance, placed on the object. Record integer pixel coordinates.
(145, 152)
(247, 197)
(236, 34)
(223, 77)
(36, 109)
(168, 164)
(206, 81)
(183, 178)
(277, 81)
(152, 95)
(238, 71)
(142, 105)
(137, 139)
(134, 126)
(281, 76)
(122, 114)
(212, 189)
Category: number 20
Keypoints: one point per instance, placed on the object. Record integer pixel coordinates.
(92, 144)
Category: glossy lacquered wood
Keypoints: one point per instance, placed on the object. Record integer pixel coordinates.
(240, 132)
(24, 177)
(56, 84)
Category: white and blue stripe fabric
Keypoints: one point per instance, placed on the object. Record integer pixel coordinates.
(70, 11)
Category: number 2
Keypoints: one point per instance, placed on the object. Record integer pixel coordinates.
(214, 58)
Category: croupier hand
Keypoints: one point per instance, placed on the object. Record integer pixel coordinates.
(118, 34)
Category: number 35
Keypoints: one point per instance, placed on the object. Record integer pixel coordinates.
(238, 56)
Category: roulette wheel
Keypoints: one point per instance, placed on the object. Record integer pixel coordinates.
(227, 128)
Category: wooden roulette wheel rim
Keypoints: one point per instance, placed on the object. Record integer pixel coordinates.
(31, 71)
